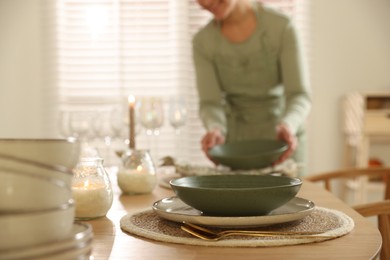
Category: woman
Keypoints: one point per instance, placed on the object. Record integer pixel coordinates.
(249, 75)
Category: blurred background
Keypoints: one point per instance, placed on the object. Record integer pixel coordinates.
(59, 57)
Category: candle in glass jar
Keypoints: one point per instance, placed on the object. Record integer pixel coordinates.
(136, 181)
(131, 100)
(92, 198)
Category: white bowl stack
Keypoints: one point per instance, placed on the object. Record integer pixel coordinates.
(36, 206)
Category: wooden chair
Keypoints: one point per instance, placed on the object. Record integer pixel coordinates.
(380, 209)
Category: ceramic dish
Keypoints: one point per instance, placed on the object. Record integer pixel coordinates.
(248, 154)
(28, 228)
(39, 152)
(77, 243)
(236, 195)
(174, 209)
(288, 168)
(20, 190)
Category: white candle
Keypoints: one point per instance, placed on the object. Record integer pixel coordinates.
(92, 198)
(136, 181)
(131, 100)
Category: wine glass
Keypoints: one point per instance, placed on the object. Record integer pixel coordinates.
(152, 114)
(177, 113)
(102, 133)
(80, 126)
(117, 122)
(100, 126)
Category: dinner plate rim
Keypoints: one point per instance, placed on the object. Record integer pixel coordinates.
(79, 237)
(234, 221)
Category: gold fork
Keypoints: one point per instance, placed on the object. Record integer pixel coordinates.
(207, 234)
(249, 231)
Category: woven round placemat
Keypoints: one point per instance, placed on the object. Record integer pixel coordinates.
(149, 225)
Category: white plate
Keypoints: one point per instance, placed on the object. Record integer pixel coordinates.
(78, 243)
(175, 210)
(164, 181)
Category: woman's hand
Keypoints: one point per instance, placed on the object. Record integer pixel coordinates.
(284, 133)
(211, 139)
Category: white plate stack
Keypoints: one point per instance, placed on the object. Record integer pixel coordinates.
(76, 245)
(36, 205)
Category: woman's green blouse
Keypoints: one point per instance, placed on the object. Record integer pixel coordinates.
(246, 89)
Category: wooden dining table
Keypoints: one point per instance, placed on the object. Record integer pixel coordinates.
(110, 242)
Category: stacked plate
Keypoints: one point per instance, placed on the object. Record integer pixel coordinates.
(234, 200)
(36, 205)
(76, 245)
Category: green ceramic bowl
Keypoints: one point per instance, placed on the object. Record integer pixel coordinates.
(236, 195)
(251, 154)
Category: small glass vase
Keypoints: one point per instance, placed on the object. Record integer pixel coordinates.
(92, 190)
(138, 173)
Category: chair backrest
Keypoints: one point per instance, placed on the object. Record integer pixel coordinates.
(380, 209)
(327, 177)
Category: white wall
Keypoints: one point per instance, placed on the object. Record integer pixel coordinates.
(24, 97)
(350, 51)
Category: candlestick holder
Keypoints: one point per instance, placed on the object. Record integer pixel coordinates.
(92, 190)
(138, 173)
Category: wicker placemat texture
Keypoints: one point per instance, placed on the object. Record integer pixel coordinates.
(149, 225)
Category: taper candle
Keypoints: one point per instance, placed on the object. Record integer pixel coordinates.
(131, 100)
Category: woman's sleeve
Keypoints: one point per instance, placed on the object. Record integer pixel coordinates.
(211, 109)
(298, 102)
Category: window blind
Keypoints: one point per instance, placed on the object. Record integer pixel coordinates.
(110, 49)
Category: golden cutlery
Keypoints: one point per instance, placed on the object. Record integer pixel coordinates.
(249, 231)
(214, 236)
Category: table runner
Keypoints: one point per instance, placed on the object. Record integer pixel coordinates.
(149, 225)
